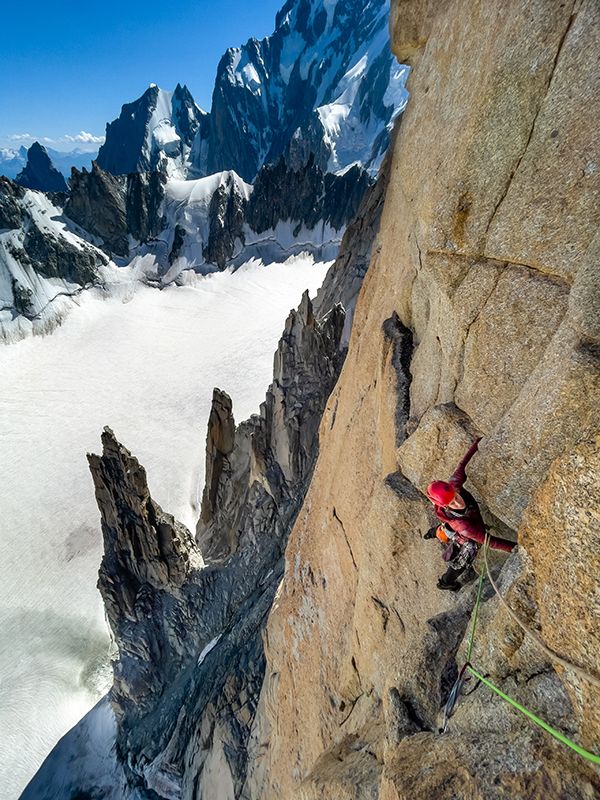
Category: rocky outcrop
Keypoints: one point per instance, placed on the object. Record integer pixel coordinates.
(55, 257)
(145, 194)
(116, 207)
(97, 204)
(278, 448)
(40, 173)
(474, 261)
(148, 556)
(343, 281)
(226, 214)
(12, 212)
(305, 196)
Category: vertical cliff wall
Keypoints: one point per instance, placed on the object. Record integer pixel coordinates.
(478, 316)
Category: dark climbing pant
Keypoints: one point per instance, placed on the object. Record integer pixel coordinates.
(463, 559)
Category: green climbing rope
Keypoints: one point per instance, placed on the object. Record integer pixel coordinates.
(529, 714)
(540, 722)
(476, 610)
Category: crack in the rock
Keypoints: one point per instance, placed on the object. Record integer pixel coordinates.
(465, 336)
(385, 611)
(558, 280)
(346, 538)
(531, 130)
(352, 706)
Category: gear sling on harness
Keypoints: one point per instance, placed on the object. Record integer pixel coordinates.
(467, 667)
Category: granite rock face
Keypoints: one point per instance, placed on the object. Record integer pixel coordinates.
(305, 195)
(226, 215)
(97, 204)
(40, 173)
(147, 556)
(501, 300)
(318, 665)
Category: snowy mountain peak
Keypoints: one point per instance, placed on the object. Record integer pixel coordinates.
(318, 85)
(156, 131)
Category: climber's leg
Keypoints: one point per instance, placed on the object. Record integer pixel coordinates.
(457, 566)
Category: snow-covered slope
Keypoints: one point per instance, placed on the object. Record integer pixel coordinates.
(320, 83)
(156, 131)
(44, 262)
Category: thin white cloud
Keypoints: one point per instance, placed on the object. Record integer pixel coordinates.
(85, 137)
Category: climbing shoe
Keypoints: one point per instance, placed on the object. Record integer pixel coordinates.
(453, 586)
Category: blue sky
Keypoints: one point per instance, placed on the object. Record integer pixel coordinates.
(67, 67)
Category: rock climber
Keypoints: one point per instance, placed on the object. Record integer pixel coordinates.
(462, 529)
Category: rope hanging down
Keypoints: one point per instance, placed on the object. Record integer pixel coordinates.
(455, 693)
(549, 652)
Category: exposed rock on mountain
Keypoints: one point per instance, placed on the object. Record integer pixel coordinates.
(116, 207)
(40, 173)
(146, 555)
(203, 663)
(97, 203)
(226, 213)
(256, 477)
(322, 81)
(477, 317)
(155, 132)
(145, 194)
(12, 212)
(343, 281)
(305, 195)
(224, 221)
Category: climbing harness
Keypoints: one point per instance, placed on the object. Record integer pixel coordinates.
(468, 667)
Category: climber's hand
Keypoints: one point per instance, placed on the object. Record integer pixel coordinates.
(430, 533)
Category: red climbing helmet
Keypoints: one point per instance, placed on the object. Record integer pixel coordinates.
(440, 493)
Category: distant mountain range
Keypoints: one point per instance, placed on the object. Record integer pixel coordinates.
(299, 124)
(13, 161)
(320, 85)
